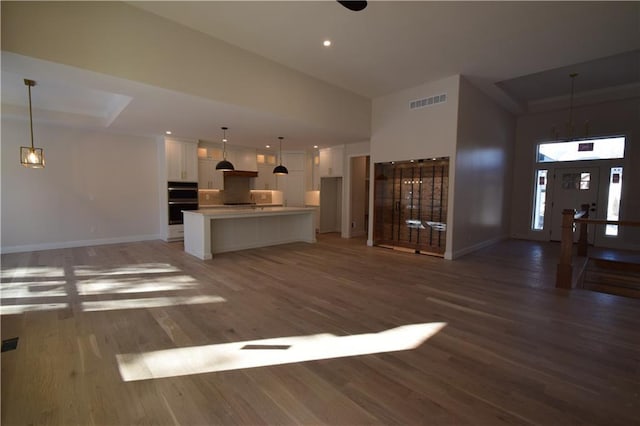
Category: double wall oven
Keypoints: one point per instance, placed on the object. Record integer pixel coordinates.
(182, 196)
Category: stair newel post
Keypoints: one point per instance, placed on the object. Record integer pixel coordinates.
(584, 236)
(565, 268)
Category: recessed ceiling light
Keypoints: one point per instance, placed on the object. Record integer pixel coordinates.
(326, 43)
(168, 132)
(315, 146)
(267, 146)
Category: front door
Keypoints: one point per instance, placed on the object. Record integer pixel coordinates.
(572, 188)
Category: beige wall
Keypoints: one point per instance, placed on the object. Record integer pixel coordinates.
(96, 188)
(123, 41)
(484, 156)
(605, 119)
(398, 133)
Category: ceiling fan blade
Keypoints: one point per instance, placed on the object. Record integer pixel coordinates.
(353, 5)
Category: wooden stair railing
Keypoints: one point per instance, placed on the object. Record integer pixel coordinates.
(564, 272)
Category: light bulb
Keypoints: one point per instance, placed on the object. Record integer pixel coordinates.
(33, 158)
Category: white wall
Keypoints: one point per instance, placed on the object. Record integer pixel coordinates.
(605, 119)
(399, 133)
(484, 155)
(96, 188)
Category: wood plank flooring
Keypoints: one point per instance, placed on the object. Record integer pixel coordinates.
(514, 350)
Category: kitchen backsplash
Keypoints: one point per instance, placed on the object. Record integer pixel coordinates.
(209, 197)
(213, 197)
(236, 190)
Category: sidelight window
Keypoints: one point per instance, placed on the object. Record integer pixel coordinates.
(540, 195)
(613, 202)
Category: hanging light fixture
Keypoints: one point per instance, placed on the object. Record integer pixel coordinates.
(224, 165)
(29, 156)
(570, 127)
(280, 169)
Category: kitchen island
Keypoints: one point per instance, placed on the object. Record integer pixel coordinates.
(209, 231)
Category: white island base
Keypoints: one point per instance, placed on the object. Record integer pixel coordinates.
(210, 231)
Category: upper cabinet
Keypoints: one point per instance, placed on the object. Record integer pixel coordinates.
(266, 161)
(245, 159)
(312, 171)
(331, 161)
(181, 157)
(242, 158)
(293, 160)
(208, 176)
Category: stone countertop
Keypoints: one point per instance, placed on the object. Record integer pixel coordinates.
(235, 206)
(217, 213)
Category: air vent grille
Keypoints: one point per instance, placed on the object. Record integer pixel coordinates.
(427, 102)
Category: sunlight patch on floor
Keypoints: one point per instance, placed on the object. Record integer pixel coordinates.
(148, 302)
(134, 269)
(40, 288)
(33, 272)
(114, 285)
(266, 352)
(33, 307)
(33, 289)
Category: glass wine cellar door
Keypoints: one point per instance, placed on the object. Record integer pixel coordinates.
(411, 205)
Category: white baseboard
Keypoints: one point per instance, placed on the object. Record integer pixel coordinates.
(79, 243)
(459, 253)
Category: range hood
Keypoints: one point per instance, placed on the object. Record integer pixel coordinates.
(237, 186)
(240, 173)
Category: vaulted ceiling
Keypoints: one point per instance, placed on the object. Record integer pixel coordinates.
(520, 53)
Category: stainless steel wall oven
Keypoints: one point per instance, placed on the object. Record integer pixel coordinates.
(182, 196)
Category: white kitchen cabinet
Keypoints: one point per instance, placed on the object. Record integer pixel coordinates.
(312, 172)
(181, 157)
(331, 161)
(292, 187)
(293, 160)
(209, 152)
(245, 159)
(208, 176)
(266, 179)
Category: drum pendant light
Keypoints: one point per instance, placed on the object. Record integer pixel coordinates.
(280, 169)
(224, 165)
(31, 157)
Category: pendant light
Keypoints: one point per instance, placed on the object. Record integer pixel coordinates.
(224, 165)
(280, 169)
(570, 126)
(31, 157)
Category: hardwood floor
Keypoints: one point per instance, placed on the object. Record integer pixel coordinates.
(514, 349)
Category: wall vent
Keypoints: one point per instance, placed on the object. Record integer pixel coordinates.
(427, 102)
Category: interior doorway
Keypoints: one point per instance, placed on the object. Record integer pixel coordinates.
(359, 196)
(330, 204)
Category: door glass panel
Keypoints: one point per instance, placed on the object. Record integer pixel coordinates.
(613, 202)
(410, 204)
(540, 196)
(585, 178)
